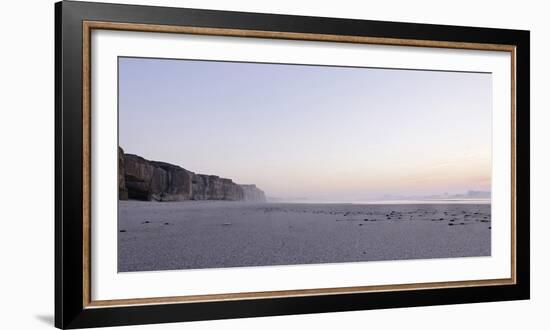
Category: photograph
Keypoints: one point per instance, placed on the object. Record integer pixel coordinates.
(230, 163)
(247, 164)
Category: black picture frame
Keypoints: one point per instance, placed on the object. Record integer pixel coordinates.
(70, 309)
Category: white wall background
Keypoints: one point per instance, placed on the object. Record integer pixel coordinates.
(27, 168)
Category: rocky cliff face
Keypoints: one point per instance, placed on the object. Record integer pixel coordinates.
(122, 191)
(252, 193)
(142, 179)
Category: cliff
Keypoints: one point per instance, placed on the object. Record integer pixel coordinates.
(142, 179)
(252, 193)
(122, 191)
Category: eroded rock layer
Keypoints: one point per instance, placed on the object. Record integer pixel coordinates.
(141, 179)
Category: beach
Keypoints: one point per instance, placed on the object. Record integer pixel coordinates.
(216, 234)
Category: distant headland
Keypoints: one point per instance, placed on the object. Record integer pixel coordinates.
(142, 179)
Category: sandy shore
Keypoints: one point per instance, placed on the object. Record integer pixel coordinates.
(187, 235)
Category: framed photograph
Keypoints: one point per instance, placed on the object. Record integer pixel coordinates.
(214, 164)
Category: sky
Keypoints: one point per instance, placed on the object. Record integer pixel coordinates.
(316, 132)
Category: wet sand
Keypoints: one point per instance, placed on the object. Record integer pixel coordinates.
(215, 234)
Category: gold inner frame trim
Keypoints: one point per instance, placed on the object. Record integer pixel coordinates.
(88, 26)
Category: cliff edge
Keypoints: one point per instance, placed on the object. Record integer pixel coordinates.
(142, 179)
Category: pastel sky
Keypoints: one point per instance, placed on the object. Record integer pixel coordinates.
(317, 132)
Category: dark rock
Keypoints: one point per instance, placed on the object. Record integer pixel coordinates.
(232, 191)
(177, 184)
(142, 179)
(139, 176)
(122, 191)
(199, 186)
